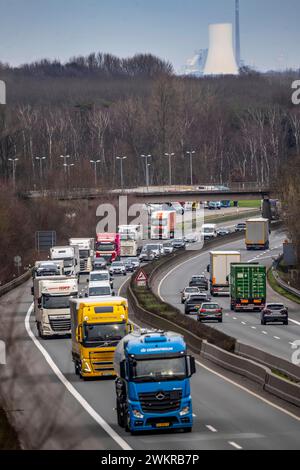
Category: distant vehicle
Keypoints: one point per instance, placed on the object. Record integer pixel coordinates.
(163, 225)
(225, 204)
(168, 248)
(99, 263)
(240, 227)
(156, 248)
(210, 311)
(99, 289)
(131, 232)
(222, 232)
(104, 275)
(108, 246)
(219, 270)
(128, 248)
(117, 267)
(187, 292)
(46, 268)
(212, 206)
(191, 238)
(179, 244)
(275, 313)
(194, 302)
(209, 231)
(134, 261)
(129, 266)
(199, 281)
(86, 252)
(146, 256)
(257, 234)
(248, 286)
(70, 257)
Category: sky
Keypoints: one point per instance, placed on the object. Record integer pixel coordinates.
(171, 29)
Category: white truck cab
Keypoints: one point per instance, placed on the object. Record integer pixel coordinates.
(209, 231)
(70, 257)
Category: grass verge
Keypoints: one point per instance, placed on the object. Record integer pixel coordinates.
(277, 288)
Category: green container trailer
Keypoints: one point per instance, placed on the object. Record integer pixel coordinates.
(248, 287)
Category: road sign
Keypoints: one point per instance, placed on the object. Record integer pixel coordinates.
(18, 261)
(44, 240)
(141, 278)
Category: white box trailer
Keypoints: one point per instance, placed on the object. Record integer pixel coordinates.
(257, 234)
(86, 248)
(219, 269)
(128, 248)
(69, 255)
(52, 304)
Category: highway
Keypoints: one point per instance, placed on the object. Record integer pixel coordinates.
(276, 339)
(53, 409)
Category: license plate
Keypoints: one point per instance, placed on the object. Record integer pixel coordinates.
(162, 425)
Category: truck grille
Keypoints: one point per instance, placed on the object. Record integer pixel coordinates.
(160, 402)
(102, 361)
(59, 325)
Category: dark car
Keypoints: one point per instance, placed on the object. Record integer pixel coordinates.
(210, 311)
(129, 266)
(194, 302)
(241, 227)
(179, 243)
(99, 263)
(199, 281)
(275, 313)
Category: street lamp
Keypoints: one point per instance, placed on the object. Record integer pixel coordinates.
(67, 168)
(147, 165)
(191, 153)
(14, 166)
(65, 157)
(95, 163)
(170, 155)
(41, 165)
(121, 161)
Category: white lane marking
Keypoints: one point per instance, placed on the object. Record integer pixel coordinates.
(211, 428)
(104, 425)
(122, 285)
(294, 321)
(234, 318)
(253, 327)
(264, 332)
(276, 337)
(235, 445)
(253, 394)
(244, 323)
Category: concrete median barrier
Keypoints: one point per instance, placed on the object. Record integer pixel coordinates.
(15, 283)
(283, 389)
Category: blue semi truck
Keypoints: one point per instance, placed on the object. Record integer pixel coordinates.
(153, 383)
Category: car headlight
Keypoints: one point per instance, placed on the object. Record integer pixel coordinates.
(185, 411)
(137, 414)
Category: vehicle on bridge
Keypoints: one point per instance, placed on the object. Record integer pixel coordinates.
(163, 224)
(257, 234)
(248, 287)
(108, 246)
(51, 304)
(97, 326)
(153, 384)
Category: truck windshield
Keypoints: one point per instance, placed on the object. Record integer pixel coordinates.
(150, 370)
(105, 246)
(99, 277)
(68, 262)
(84, 253)
(56, 301)
(95, 291)
(104, 332)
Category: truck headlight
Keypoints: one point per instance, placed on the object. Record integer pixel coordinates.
(185, 411)
(85, 366)
(137, 414)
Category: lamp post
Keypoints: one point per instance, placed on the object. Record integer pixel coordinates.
(14, 166)
(41, 159)
(121, 162)
(147, 165)
(95, 163)
(67, 168)
(170, 155)
(65, 157)
(191, 153)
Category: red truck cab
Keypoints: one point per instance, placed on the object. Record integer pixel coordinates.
(108, 246)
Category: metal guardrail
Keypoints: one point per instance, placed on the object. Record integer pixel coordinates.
(281, 283)
(15, 283)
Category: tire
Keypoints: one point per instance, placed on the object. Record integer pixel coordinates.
(220, 321)
(76, 367)
(263, 322)
(40, 331)
(286, 323)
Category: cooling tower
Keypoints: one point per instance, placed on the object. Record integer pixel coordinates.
(221, 58)
(2, 92)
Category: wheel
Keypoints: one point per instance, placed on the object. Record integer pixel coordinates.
(263, 322)
(221, 320)
(76, 366)
(286, 323)
(40, 331)
(199, 319)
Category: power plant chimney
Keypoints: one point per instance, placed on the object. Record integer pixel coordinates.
(221, 58)
(237, 34)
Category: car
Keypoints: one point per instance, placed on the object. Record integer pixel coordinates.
(168, 248)
(240, 227)
(99, 263)
(191, 238)
(146, 256)
(179, 244)
(221, 232)
(194, 302)
(117, 267)
(134, 261)
(275, 313)
(199, 281)
(101, 275)
(99, 289)
(185, 294)
(129, 266)
(156, 248)
(212, 206)
(210, 311)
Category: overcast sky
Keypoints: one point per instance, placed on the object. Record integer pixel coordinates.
(171, 29)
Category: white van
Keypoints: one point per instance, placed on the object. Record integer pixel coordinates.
(99, 289)
(209, 231)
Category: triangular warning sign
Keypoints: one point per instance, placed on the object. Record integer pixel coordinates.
(141, 277)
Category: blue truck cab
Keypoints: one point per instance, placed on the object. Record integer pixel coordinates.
(153, 385)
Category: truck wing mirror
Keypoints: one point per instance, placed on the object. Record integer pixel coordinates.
(208, 268)
(192, 365)
(130, 327)
(40, 303)
(32, 291)
(113, 294)
(122, 369)
(87, 280)
(79, 334)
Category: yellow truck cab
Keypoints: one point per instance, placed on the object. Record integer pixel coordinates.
(97, 326)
